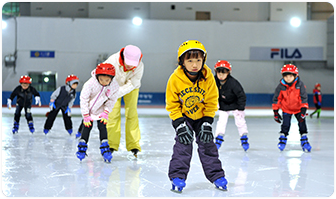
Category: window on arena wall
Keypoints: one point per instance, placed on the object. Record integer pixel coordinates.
(43, 81)
(11, 9)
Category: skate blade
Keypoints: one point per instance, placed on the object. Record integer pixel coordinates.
(221, 188)
(176, 191)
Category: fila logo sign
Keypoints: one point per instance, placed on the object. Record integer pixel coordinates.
(289, 54)
(283, 53)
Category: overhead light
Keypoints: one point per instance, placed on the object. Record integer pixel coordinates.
(4, 25)
(46, 79)
(137, 21)
(295, 22)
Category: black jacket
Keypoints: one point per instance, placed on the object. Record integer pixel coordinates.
(231, 94)
(24, 97)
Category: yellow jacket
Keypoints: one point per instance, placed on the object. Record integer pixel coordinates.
(184, 97)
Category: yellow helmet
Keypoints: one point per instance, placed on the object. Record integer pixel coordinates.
(190, 45)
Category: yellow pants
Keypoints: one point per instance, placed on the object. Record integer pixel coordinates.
(132, 130)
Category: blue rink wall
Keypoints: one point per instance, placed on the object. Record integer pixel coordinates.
(158, 99)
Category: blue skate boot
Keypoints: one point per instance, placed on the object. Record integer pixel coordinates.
(178, 184)
(82, 147)
(221, 183)
(15, 128)
(282, 142)
(105, 151)
(219, 140)
(304, 143)
(31, 127)
(69, 131)
(244, 142)
(78, 135)
(46, 131)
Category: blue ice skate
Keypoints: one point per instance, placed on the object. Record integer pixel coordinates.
(178, 184)
(82, 147)
(305, 144)
(219, 140)
(69, 131)
(221, 183)
(105, 151)
(282, 142)
(15, 128)
(244, 142)
(31, 127)
(78, 135)
(46, 131)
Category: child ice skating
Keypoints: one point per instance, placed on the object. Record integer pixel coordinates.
(97, 99)
(317, 100)
(129, 71)
(291, 96)
(191, 99)
(232, 99)
(62, 99)
(24, 93)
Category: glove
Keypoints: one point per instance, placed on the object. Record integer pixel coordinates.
(87, 120)
(205, 134)
(37, 100)
(104, 117)
(184, 134)
(68, 111)
(52, 105)
(277, 117)
(302, 114)
(9, 103)
(319, 103)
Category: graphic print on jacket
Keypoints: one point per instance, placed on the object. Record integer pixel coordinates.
(194, 100)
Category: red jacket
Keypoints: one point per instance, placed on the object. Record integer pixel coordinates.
(317, 96)
(290, 98)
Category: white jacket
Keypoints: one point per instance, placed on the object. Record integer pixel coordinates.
(128, 80)
(95, 98)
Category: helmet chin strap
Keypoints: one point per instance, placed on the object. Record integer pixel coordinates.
(190, 73)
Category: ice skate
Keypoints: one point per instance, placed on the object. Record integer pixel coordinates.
(105, 151)
(31, 127)
(282, 142)
(15, 128)
(135, 152)
(82, 147)
(304, 143)
(219, 140)
(46, 131)
(244, 142)
(69, 131)
(178, 184)
(221, 183)
(78, 135)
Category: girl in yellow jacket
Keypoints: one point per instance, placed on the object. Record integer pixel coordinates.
(191, 99)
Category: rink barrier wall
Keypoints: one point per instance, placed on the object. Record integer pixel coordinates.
(158, 99)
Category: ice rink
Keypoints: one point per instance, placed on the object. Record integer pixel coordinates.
(39, 165)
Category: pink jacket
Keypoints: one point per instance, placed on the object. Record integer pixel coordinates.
(95, 98)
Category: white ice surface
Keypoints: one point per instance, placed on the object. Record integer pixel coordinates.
(38, 165)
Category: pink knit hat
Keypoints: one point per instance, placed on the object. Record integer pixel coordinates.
(132, 55)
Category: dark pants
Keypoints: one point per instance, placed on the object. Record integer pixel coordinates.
(287, 123)
(208, 154)
(52, 116)
(28, 114)
(81, 127)
(102, 131)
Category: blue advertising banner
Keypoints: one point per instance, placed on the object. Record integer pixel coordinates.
(42, 54)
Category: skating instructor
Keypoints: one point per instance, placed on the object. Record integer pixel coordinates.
(129, 71)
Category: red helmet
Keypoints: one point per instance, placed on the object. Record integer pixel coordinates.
(290, 68)
(105, 69)
(317, 85)
(71, 79)
(223, 64)
(25, 79)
